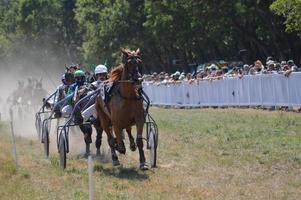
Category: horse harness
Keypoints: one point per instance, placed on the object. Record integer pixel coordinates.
(114, 88)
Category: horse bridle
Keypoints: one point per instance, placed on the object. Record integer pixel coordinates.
(134, 74)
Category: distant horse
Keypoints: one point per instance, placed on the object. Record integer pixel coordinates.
(38, 93)
(125, 107)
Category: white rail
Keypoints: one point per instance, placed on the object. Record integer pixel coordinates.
(253, 90)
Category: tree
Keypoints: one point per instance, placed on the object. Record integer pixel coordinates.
(291, 11)
(187, 30)
(48, 27)
(7, 27)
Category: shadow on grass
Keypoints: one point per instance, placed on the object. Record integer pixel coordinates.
(122, 173)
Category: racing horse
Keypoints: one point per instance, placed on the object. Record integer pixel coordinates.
(125, 106)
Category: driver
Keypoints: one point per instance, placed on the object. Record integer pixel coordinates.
(67, 79)
(80, 89)
(101, 74)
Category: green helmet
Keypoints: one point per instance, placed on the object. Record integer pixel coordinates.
(79, 73)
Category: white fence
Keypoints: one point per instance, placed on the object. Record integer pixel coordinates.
(265, 90)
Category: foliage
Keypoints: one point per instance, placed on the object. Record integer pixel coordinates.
(165, 31)
(7, 26)
(290, 9)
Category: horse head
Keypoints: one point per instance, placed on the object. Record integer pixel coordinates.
(132, 65)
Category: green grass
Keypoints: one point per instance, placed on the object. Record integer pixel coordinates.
(203, 154)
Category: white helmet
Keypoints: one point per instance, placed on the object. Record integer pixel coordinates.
(99, 69)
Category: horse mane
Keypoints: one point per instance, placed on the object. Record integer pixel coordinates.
(116, 73)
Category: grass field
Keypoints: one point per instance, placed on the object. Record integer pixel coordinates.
(203, 154)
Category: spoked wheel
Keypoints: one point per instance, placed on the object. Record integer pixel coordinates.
(45, 139)
(62, 150)
(152, 144)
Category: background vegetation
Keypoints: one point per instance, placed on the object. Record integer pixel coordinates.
(90, 31)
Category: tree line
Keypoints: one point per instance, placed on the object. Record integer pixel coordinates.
(170, 33)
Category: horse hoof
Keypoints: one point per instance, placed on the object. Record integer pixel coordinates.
(116, 163)
(121, 149)
(133, 147)
(143, 166)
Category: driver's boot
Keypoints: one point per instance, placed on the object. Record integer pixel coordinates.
(87, 150)
(98, 152)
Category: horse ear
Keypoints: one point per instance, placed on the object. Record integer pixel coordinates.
(124, 52)
(138, 52)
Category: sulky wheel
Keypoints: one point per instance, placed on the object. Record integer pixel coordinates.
(62, 149)
(45, 138)
(152, 144)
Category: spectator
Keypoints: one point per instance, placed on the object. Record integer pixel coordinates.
(292, 66)
(271, 68)
(225, 70)
(269, 58)
(212, 72)
(246, 69)
(283, 63)
(277, 67)
(182, 76)
(258, 66)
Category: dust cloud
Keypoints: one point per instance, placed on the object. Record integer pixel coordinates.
(49, 70)
(14, 70)
(24, 118)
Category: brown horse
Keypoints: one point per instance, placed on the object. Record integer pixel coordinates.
(125, 106)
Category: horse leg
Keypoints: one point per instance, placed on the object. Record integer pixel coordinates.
(111, 141)
(112, 144)
(120, 144)
(131, 138)
(87, 131)
(114, 157)
(106, 126)
(139, 141)
(98, 140)
(99, 131)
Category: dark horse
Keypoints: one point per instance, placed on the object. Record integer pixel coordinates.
(125, 107)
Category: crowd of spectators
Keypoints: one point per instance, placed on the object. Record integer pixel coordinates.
(213, 72)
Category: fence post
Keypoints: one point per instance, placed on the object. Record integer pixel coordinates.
(273, 77)
(289, 106)
(13, 137)
(261, 90)
(90, 173)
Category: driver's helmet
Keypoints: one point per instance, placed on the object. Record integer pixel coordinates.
(101, 72)
(80, 77)
(100, 69)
